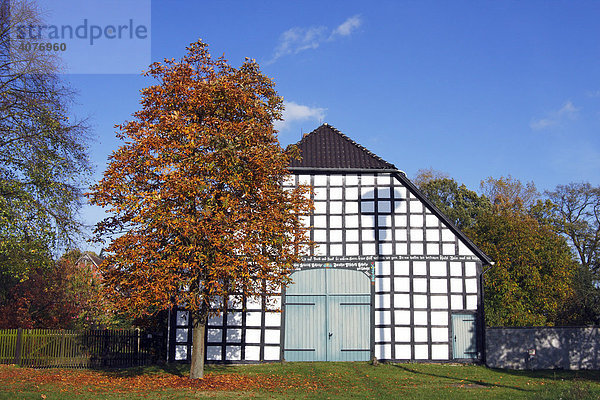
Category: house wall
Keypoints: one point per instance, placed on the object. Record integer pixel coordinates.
(421, 273)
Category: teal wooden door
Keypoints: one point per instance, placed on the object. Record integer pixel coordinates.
(327, 316)
(464, 338)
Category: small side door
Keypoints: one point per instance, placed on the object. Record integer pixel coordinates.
(464, 336)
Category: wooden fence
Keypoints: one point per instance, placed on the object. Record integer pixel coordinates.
(44, 348)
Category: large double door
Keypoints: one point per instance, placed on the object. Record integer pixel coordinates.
(328, 316)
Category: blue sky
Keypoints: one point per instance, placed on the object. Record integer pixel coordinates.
(472, 88)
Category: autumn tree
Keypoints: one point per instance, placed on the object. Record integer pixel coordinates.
(43, 157)
(510, 192)
(532, 280)
(196, 192)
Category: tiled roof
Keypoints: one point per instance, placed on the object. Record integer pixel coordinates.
(326, 147)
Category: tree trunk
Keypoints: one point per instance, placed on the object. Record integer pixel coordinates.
(198, 349)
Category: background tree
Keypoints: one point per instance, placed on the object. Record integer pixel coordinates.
(532, 280)
(425, 175)
(510, 192)
(461, 205)
(577, 216)
(197, 191)
(43, 158)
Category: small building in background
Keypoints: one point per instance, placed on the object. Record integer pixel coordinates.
(390, 278)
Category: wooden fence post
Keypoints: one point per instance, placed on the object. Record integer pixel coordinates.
(18, 345)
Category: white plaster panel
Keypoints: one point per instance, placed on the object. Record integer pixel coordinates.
(456, 285)
(402, 317)
(399, 192)
(336, 180)
(455, 268)
(351, 207)
(403, 352)
(304, 179)
(351, 180)
(416, 235)
(368, 234)
(416, 249)
(367, 192)
(253, 303)
(351, 193)
(215, 320)
(402, 334)
(432, 235)
(401, 268)
(335, 221)
(320, 180)
(320, 221)
(470, 269)
(416, 207)
(419, 268)
(420, 317)
(400, 221)
(335, 207)
(421, 352)
(367, 221)
(419, 301)
(383, 192)
(352, 249)
(437, 268)
(472, 303)
(351, 221)
(320, 207)
(234, 318)
(448, 249)
(416, 220)
(382, 301)
(367, 180)
(214, 335)
(439, 352)
(400, 206)
(433, 249)
(463, 250)
(252, 335)
(253, 318)
(336, 193)
(320, 235)
(336, 250)
(447, 235)
(401, 249)
(383, 317)
(383, 334)
(384, 206)
(320, 250)
(272, 336)
(253, 353)
(401, 301)
(273, 303)
(385, 234)
(233, 353)
(384, 220)
(402, 284)
(471, 285)
(421, 335)
(351, 235)
(320, 193)
(386, 249)
(384, 179)
(368, 249)
(420, 285)
(180, 352)
(456, 302)
(382, 284)
(383, 351)
(401, 234)
(439, 318)
(439, 301)
(272, 319)
(271, 353)
(234, 335)
(213, 353)
(439, 334)
(438, 285)
(431, 221)
(181, 335)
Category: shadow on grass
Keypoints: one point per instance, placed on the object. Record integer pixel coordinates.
(459, 380)
(176, 369)
(553, 374)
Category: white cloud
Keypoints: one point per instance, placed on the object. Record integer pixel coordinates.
(567, 112)
(298, 112)
(298, 39)
(347, 27)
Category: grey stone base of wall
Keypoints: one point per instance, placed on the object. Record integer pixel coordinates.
(569, 348)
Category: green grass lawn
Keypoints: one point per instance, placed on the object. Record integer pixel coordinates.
(300, 381)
